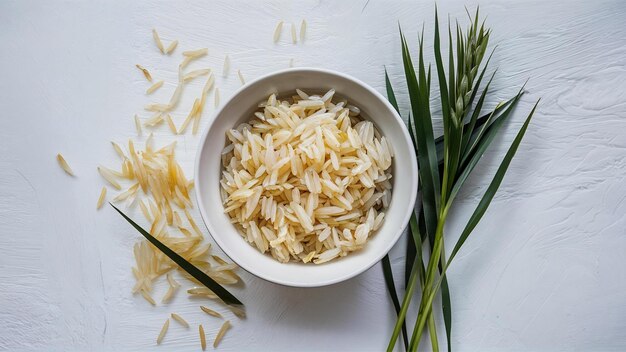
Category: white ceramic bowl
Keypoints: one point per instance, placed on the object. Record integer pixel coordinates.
(240, 108)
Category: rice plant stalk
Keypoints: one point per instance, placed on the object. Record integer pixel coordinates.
(445, 163)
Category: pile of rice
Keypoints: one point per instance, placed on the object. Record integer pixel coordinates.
(307, 179)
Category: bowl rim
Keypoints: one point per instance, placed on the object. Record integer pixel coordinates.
(357, 270)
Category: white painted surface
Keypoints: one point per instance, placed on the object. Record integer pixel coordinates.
(543, 270)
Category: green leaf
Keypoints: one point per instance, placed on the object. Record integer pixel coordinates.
(391, 96)
(486, 134)
(404, 308)
(446, 306)
(493, 186)
(198, 274)
(473, 120)
(417, 240)
(391, 288)
(427, 157)
(476, 216)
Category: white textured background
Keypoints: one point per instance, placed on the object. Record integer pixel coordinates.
(544, 270)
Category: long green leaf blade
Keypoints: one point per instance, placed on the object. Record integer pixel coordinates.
(391, 96)
(493, 186)
(198, 274)
(476, 216)
(427, 158)
(391, 288)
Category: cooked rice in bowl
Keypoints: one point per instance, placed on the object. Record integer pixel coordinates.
(307, 179)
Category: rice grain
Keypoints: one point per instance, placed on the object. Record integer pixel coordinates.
(210, 312)
(202, 337)
(277, 31)
(171, 47)
(304, 180)
(64, 165)
(196, 73)
(145, 72)
(154, 87)
(226, 67)
(103, 194)
(180, 319)
(196, 53)
(294, 35)
(166, 325)
(221, 333)
(302, 30)
(137, 125)
(157, 40)
(241, 79)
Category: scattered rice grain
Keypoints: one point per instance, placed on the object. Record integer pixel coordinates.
(277, 31)
(137, 125)
(302, 30)
(64, 165)
(220, 334)
(145, 72)
(226, 67)
(202, 337)
(294, 35)
(241, 79)
(180, 319)
(103, 195)
(171, 47)
(210, 312)
(166, 325)
(157, 40)
(154, 87)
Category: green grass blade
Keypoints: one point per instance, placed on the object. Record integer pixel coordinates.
(198, 274)
(472, 123)
(446, 306)
(475, 218)
(391, 96)
(452, 80)
(492, 123)
(391, 288)
(493, 186)
(482, 145)
(473, 120)
(410, 247)
(417, 242)
(408, 295)
(427, 157)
